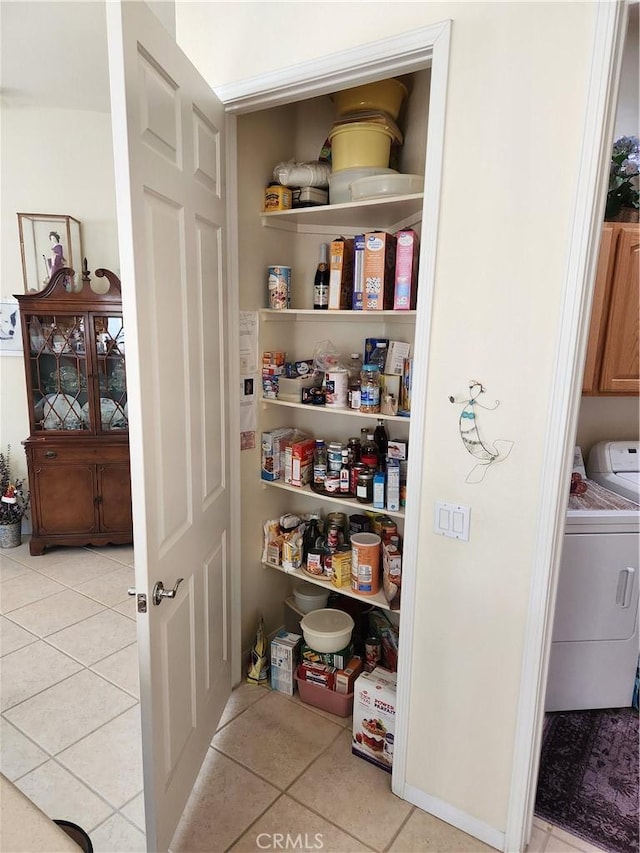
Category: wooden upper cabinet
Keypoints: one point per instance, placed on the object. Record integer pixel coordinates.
(612, 363)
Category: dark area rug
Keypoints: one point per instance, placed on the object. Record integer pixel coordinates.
(588, 780)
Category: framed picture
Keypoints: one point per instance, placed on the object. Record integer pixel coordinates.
(10, 335)
(47, 243)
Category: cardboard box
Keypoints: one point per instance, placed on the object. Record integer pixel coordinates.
(298, 462)
(334, 659)
(406, 271)
(341, 569)
(272, 452)
(345, 678)
(379, 270)
(369, 345)
(397, 448)
(291, 389)
(285, 653)
(357, 302)
(391, 574)
(341, 273)
(374, 717)
(318, 673)
(393, 484)
(397, 351)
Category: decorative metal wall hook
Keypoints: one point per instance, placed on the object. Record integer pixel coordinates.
(484, 452)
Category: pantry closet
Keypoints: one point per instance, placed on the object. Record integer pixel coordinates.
(298, 131)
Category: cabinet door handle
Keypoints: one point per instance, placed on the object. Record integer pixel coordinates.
(625, 587)
(50, 454)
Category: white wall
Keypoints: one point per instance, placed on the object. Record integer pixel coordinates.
(510, 181)
(53, 161)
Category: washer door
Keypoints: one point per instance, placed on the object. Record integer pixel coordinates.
(598, 587)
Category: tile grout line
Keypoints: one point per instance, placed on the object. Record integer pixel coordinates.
(395, 837)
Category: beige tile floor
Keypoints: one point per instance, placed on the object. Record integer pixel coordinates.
(70, 734)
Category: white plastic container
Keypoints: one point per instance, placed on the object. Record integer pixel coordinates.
(378, 186)
(309, 597)
(340, 181)
(327, 630)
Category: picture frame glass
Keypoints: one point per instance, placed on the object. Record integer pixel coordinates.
(48, 242)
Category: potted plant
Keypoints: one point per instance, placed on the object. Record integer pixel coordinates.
(14, 502)
(623, 195)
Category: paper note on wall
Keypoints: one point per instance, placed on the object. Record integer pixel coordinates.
(248, 378)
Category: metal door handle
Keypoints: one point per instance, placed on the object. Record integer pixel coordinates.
(159, 592)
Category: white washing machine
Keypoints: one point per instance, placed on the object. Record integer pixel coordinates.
(594, 650)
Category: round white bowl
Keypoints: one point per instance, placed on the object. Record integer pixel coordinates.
(327, 630)
(309, 597)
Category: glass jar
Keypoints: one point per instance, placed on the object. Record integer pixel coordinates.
(370, 389)
(364, 488)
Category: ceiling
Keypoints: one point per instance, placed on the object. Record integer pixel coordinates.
(54, 54)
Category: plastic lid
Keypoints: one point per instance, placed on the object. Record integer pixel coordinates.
(381, 345)
(370, 367)
(319, 441)
(355, 355)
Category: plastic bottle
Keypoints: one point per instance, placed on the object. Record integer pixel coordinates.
(311, 535)
(381, 438)
(321, 280)
(379, 356)
(354, 368)
(370, 389)
(320, 462)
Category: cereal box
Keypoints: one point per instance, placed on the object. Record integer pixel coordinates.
(374, 717)
(273, 444)
(379, 270)
(406, 271)
(341, 273)
(285, 652)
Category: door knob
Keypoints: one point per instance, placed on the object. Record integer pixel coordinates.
(159, 592)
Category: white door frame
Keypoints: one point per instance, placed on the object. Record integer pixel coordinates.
(429, 46)
(413, 51)
(570, 354)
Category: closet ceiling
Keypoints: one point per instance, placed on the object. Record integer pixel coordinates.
(54, 54)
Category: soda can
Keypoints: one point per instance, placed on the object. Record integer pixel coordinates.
(279, 288)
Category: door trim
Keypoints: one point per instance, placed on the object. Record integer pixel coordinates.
(421, 48)
(399, 54)
(571, 348)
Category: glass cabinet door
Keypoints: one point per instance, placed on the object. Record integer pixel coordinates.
(58, 372)
(108, 335)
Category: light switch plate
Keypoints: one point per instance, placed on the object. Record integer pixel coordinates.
(452, 520)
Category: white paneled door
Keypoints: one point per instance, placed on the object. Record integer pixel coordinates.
(169, 164)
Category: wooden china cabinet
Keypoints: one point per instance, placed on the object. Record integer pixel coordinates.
(78, 447)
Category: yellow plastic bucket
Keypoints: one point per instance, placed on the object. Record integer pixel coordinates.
(386, 95)
(360, 144)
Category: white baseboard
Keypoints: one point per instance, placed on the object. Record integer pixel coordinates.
(461, 820)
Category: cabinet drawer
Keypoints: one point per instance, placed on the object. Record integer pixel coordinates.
(77, 453)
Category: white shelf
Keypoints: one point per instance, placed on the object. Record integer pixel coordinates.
(354, 413)
(306, 314)
(377, 600)
(372, 214)
(307, 492)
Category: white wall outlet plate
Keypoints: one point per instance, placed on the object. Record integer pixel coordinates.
(452, 520)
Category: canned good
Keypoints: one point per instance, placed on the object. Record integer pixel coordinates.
(336, 384)
(332, 483)
(333, 536)
(314, 561)
(365, 563)
(358, 524)
(279, 287)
